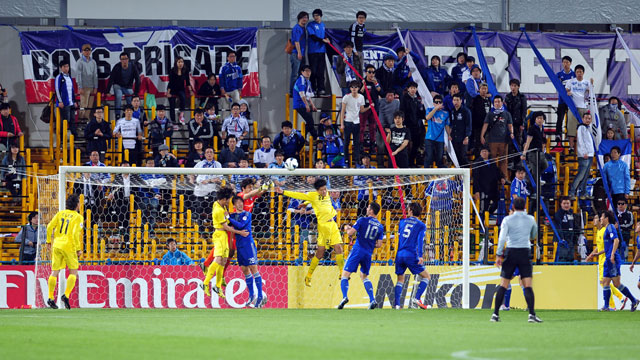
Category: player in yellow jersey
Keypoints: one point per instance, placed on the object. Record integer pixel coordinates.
(65, 232)
(328, 232)
(220, 239)
(598, 251)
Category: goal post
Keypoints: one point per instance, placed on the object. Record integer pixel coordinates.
(444, 194)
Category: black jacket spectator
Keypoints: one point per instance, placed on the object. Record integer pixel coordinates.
(227, 156)
(116, 78)
(517, 106)
(203, 131)
(193, 158)
(486, 181)
(568, 225)
(289, 145)
(159, 132)
(205, 92)
(385, 78)
(97, 142)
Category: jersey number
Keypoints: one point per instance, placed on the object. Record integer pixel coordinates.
(63, 226)
(371, 233)
(407, 231)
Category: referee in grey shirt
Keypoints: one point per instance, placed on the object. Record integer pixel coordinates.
(516, 232)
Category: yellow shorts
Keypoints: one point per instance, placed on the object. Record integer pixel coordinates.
(62, 258)
(329, 234)
(221, 243)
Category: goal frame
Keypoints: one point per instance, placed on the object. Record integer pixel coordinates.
(465, 173)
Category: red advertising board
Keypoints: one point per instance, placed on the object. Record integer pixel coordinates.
(138, 286)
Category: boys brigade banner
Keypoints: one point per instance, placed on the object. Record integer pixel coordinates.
(152, 49)
(137, 286)
(602, 56)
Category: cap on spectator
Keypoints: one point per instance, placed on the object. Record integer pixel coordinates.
(324, 116)
(243, 101)
(287, 124)
(389, 57)
(475, 66)
(160, 107)
(163, 147)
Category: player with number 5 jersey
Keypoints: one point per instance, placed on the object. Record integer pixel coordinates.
(65, 232)
(370, 233)
(411, 233)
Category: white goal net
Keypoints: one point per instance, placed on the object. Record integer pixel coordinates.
(130, 214)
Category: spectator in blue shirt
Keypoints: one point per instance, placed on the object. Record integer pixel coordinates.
(302, 93)
(316, 52)
(175, 256)
(458, 71)
(332, 148)
(65, 96)
(448, 99)
(299, 41)
(438, 120)
(616, 174)
(231, 78)
(564, 75)
(289, 141)
(437, 77)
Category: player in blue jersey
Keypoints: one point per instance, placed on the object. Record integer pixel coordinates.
(247, 253)
(613, 260)
(410, 247)
(370, 233)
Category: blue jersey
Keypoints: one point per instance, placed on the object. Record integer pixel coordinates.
(317, 29)
(442, 194)
(242, 221)
(302, 85)
(411, 237)
(519, 188)
(564, 77)
(436, 128)
(610, 234)
(369, 231)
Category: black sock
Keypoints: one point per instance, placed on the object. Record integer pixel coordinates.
(499, 299)
(528, 296)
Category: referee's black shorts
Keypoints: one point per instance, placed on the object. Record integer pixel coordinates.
(517, 258)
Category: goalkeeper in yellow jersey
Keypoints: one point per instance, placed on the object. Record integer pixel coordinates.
(65, 232)
(599, 251)
(328, 232)
(221, 225)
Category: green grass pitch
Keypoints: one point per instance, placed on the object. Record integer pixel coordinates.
(315, 334)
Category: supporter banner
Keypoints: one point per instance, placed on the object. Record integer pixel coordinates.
(611, 70)
(629, 279)
(152, 49)
(137, 286)
(556, 287)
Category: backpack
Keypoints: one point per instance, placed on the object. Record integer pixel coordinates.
(45, 116)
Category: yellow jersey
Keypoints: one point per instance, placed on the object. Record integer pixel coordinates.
(600, 244)
(321, 204)
(218, 216)
(65, 231)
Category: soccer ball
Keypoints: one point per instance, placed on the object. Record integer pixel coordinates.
(291, 164)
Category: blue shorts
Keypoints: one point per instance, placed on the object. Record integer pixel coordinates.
(247, 254)
(411, 262)
(358, 257)
(610, 270)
